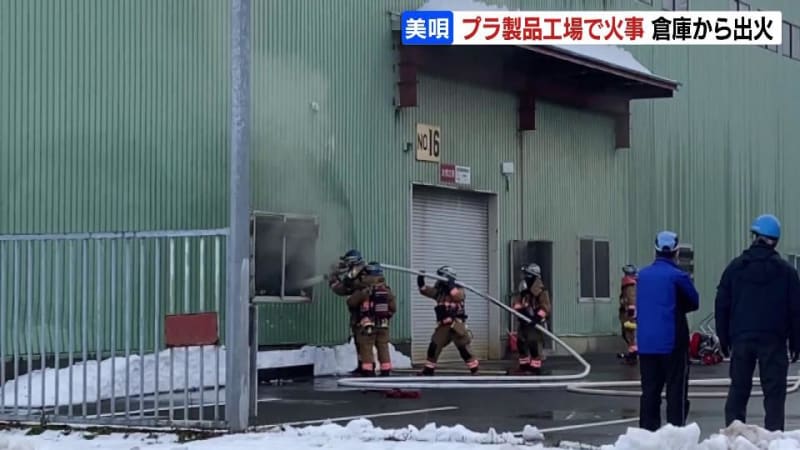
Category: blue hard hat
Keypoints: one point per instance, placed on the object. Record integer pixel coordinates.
(666, 241)
(374, 268)
(767, 225)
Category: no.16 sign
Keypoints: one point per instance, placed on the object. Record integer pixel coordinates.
(428, 142)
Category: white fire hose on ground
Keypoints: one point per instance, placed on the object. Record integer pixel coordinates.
(531, 381)
(599, 387)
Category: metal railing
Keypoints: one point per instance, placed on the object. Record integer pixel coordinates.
(82, 328)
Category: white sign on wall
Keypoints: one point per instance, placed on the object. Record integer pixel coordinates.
(428, 142)
(463, 175)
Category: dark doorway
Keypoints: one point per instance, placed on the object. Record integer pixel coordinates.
(541, 253)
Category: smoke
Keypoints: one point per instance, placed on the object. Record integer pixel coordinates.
(298, 168)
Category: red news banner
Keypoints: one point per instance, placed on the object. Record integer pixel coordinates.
(617, 27)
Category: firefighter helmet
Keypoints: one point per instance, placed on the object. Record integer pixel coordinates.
(532, 270)
(447, 272)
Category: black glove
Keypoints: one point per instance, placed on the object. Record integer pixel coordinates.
(420, 281)
(725, 348)
(451, 284)
(795, 356)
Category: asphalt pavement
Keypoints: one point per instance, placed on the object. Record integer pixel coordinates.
(310, 402)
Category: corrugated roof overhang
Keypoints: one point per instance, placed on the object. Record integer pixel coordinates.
(551, 73)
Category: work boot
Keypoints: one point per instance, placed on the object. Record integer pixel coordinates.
(386, 373)
(357, 370)
(426, 372)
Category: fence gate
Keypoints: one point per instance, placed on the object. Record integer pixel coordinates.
(82, 328)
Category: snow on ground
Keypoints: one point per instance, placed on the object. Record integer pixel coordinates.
(337, 360)
(363, 435)
(738, 436)
(358, 433)
(327, 361)
(610, 54)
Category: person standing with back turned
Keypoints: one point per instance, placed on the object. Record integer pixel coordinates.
(665, 294)
(756, 310)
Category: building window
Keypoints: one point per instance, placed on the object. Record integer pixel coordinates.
(739, 5)
(675, 5)
(786, 46)
(647, 2)
(283, 257)
(594, 264)
(795, 42)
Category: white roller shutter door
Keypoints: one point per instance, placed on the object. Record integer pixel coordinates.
(450, 228)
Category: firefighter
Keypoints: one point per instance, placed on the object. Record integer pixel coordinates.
(627, 313)
(451, 320)
(532, 301)
(344, 279)
(757, 311)
(376, 304)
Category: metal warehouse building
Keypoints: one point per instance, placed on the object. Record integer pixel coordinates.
(114, 118)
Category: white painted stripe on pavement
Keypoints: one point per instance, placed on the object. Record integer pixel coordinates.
(586, 425)
(363, 416)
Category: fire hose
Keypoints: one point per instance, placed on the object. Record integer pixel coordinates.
(533, 381)
(599, 387)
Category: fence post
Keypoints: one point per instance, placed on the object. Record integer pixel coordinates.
(237, 372)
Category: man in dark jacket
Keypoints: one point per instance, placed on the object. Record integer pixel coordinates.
(665, 294)
(757, 310)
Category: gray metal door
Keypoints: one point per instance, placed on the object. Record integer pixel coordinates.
(450, 227)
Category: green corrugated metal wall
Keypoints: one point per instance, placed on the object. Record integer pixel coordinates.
(721, 152)
(113, 115)
(116, 118)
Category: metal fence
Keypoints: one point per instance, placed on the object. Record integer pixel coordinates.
(82, 328)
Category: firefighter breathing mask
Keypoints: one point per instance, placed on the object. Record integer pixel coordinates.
(355, 271)
(374, 269)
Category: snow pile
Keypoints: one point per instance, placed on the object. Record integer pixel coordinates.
(116, 371)
(52, 440)
(363, 435)
(609, 54)
(327, 361)
(685, 438)
(737, 436)
(337, 360)
(363, 430)
(358, 433)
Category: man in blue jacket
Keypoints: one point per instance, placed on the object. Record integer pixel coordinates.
(665, 294)
(757, 310)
